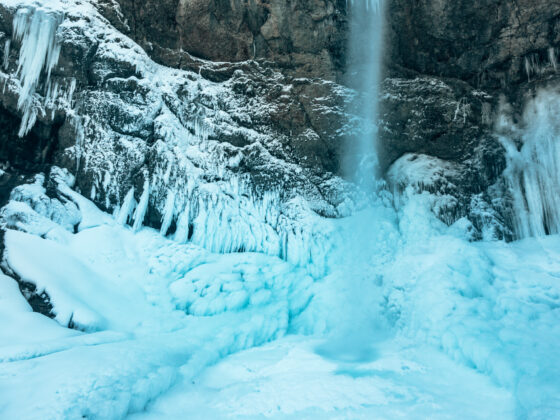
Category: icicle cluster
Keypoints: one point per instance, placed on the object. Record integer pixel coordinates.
(533, 172)
(229, 217)
(536, 66)
(35, 29)
(190, 180)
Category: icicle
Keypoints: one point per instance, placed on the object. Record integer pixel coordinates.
(128, 205)
(7, 54)
(182, 232)
(71, 91)
(39, 52)
(528, 69)
(168, 212)
(79, 123)
(28, 120)
(140, 211)
(552, 58)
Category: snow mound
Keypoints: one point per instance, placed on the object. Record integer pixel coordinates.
(120, 292)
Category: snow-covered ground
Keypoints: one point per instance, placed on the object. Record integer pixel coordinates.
(290, 379)
(410, 321)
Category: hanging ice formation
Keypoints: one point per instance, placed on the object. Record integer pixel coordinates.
(35, 29)
(125, 212)
(536, 65)
(228, 217)
(142, 207)
(533, 172)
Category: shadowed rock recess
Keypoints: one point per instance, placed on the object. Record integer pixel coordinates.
(250, 95)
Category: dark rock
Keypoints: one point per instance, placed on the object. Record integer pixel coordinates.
(306, 38)
(483, 42)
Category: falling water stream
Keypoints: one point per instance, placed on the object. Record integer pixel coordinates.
(358, 327)
(365, 50)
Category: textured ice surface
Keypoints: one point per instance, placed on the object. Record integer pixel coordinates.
(288, 379)
(411, 320)
(140, 300)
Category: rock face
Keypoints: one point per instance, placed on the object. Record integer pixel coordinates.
(448, 65)
(252, 92)
(437, 136)
(302, 37)
(491, 44)
(240, 160)
(479, 56)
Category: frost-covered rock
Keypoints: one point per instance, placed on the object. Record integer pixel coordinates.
(224, 164)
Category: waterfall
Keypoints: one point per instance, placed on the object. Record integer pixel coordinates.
(363, 75)
(359, 324)
(533, 171)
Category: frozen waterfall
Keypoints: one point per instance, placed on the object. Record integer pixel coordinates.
(533, 172)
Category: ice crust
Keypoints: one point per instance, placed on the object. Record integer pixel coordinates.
(152, 313)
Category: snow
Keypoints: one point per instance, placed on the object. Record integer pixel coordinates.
(131, 288)
(287, 379)
(19, 323)
(409, 320)
(423, 171)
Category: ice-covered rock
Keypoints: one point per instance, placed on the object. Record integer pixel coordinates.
(221, 164)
